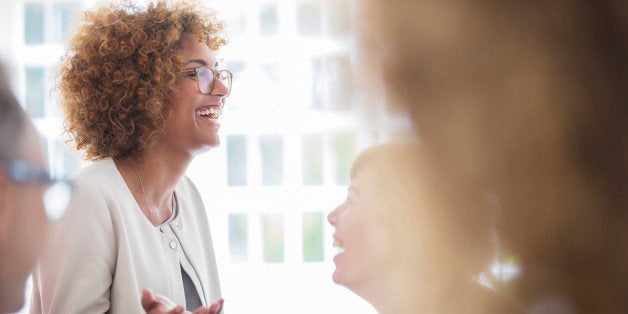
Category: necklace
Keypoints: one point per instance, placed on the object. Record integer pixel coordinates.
(150, 217)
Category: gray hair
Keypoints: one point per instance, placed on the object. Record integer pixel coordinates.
(13, 119)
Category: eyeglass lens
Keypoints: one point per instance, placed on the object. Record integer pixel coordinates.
(206, 79)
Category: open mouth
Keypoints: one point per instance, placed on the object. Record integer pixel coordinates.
(338, 247)
(211, 112)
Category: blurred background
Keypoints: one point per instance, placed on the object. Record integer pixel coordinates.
(291, 128)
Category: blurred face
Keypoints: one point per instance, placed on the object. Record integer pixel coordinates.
(23, 225)
(363, 242)
(193, 125)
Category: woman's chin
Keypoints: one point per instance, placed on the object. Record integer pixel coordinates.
(336, 277)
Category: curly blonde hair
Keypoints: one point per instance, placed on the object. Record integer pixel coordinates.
(119, 73)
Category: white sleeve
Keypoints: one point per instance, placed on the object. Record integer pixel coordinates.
(75, 271)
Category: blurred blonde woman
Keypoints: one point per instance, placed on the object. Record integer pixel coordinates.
(398, 249)
(524, 102)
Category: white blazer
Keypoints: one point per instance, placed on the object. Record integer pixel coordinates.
(104, 251)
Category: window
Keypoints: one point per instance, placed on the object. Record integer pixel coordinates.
(340, 19)
(313, 237)
(271, 147)
(64, 18)
(34, 23)
(238, 237)
(273, 237)
(340, 82)
(269, 22)
(345, 149)
(312, 159)
(236, 155)
(35, 96)
(317, 87)
(309, 17)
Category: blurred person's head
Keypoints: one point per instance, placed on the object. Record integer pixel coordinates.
(373, 222)
(397, 246)
(120, 82)
(525, 101)
(23, 220)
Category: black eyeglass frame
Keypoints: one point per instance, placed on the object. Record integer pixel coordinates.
(23, 172)
(215, 72)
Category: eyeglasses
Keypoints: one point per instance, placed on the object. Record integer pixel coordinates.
(57, 194)
(205, 77)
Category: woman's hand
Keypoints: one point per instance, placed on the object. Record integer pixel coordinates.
(157, 304)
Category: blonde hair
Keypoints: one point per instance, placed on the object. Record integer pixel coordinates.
(525, 100)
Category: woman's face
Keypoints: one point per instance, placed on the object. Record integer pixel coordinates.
(190, 128)
(363, 240)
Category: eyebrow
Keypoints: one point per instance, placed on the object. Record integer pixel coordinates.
(201, 62)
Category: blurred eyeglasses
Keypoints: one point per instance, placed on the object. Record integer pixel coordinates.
(58, 192)
(205, 77)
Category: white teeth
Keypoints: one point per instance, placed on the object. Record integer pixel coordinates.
(212, 112)
(338, 248)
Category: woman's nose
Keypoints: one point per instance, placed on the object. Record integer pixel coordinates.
(333, 216)
(219, 88)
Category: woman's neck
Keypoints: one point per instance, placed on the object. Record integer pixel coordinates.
(152, 177)
(397, 291)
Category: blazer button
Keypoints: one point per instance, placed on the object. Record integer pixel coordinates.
(173, 244)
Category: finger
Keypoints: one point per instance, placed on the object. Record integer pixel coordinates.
(148, 300)
(176, 310)
(202, 310)
(216, 307)
(165, 301)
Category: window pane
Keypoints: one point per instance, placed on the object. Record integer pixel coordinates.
(318, 89)
(312, 159)
(309, 18)
(313, 237)
(269, 22)
(237, 67)
(238, 237)
(345, 149)
(339, 19)
(64, 14)
(272, 234)
(238, 25)
(271, 84)
(236, 160)
(340, 80)
(35, 92)
(33, 23)
(271, 149)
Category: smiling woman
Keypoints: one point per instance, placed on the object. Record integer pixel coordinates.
(397, 251)
(137, 221)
